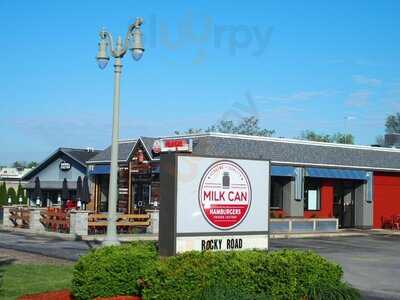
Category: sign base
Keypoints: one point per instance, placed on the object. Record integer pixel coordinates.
(221, 243)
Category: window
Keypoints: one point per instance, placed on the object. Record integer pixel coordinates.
(277, 186)
(312, 199)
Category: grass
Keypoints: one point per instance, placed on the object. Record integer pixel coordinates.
(21, 279)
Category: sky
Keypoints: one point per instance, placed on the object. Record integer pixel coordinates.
(328, 66)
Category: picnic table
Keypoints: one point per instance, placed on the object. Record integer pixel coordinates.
(19, 216)
(126, 223)
(56, 219)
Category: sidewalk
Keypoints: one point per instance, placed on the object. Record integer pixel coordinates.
(71, 237)
(154, 237)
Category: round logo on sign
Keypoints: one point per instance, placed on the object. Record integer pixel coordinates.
(225, 194)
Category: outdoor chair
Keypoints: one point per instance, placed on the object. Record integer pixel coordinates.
(387, 223)
(396, 222)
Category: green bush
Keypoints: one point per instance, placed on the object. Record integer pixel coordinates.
(20, 194)
(136, 269)
(286, 274)
(332, 291)
(115, 270)
(3, 194)
(12, 194)
(222, 291)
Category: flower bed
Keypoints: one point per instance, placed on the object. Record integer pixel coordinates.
(66, 295)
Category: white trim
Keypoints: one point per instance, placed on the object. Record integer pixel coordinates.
(90, 162)
(282, 140)
(133, 148)
(294, 164)
(127, 141)
(145, 148)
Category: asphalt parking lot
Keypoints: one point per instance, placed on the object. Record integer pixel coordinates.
(50, 247)
(370, 263)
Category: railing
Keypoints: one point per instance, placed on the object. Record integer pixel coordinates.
(76, 222)
(56, 220)
(299, 225)
(19, 217)
(126, 223)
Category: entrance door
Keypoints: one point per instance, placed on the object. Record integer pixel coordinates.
(140, 195)
(343, 204)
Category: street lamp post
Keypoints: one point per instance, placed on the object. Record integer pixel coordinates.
(133, 42)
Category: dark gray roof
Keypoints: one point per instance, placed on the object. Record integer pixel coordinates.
(77, 156)
(124, 150)
(80, 155)
(296, 152)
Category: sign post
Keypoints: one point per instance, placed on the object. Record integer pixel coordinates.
(211, 203)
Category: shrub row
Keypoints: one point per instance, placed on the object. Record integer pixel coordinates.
(136, 270)
(112, 271)
(11, 193)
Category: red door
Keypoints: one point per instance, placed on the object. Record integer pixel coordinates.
(386, 197)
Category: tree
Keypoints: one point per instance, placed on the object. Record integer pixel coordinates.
(316, 137)
(20, 193)
(32, 164)
(340, 138)
(12, 194)
(19, 164)
(3, 194)
(393, 123)
(343, 138)
(189, 131)
(248, 126)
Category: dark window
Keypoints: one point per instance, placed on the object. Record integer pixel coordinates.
(312, 197)
(277, 186)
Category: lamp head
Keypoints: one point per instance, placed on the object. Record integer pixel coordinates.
(102, 56)
(136, 47)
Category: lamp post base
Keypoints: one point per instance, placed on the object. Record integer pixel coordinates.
(111, 242)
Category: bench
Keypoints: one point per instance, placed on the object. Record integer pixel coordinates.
(56, 219)
(126, 223)
(19, 216)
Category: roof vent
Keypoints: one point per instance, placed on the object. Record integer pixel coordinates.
(392, 140)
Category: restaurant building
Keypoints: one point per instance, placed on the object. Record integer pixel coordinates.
(138, 177)
(358, 185)
(64, 163)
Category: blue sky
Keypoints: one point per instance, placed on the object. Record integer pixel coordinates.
(321, 65)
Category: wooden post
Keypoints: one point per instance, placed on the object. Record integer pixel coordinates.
(96, 193)
(130, 188)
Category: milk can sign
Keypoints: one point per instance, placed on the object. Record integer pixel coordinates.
(213, 203)
(225, 195)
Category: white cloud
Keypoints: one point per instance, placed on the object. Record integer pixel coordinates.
(307, 95)
(299, 95)
(364, 80)
(358, 99)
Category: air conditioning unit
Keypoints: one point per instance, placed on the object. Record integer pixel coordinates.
(392, 140)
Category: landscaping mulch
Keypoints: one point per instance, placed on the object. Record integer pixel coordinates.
(56, 295)
(66, 295)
